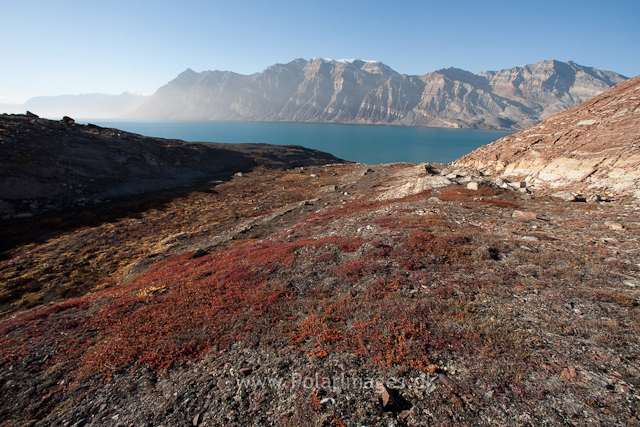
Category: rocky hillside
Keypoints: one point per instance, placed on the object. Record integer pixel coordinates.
(327, 295)
(49, 165)
(357, 91)
(334, 295)
(590, 149)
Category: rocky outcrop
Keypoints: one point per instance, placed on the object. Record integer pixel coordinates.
(357, 91)
(589, 149)
(51, 164)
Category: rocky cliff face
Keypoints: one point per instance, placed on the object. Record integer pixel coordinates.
(357, 91)
(590, 148)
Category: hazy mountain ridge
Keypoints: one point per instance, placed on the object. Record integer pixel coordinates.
(86, 105)
(355, 91)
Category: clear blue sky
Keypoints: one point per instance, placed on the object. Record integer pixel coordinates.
(53, 47)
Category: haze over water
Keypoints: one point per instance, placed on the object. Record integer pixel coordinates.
(372, 144)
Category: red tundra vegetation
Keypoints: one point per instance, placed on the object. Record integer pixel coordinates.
(511, 322)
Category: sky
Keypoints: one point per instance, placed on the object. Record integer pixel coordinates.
(56, 47)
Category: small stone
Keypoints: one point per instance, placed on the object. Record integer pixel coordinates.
(313, 175)
(473, 186)
(197, 420)
(446, 380)
(522, 184)
(525, 197)
(524, 215)
(389, 403)
(623, 389)
(530, 238)
(328, 401)
(572, 372)
(404, 414)
(245, 371)
(434, 200)
(240, 174)
(567, 196)
(565, 374)
(614, 225)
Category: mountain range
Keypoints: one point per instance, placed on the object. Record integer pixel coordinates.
(349, 91)
(356, 91)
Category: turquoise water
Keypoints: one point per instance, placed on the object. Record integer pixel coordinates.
(371, 144)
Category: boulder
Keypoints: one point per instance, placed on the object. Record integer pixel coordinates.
(523, 215)
(567, 196)
(389, 397)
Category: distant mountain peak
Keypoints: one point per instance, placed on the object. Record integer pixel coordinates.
(348, 61)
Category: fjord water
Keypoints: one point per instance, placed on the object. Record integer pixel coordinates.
(372, 144)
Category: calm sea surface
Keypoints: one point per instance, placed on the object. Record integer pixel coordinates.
(371, 144)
